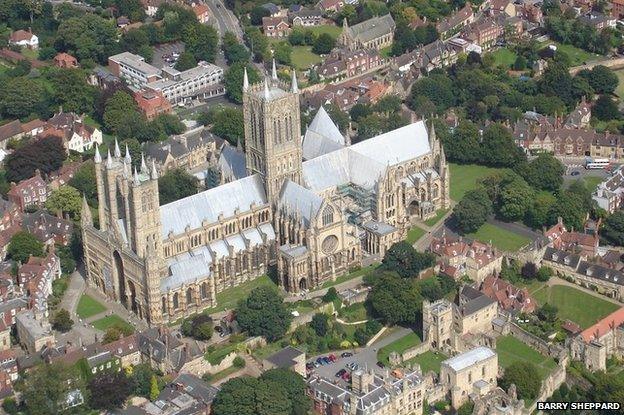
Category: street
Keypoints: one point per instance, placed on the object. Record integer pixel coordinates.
(225, 19)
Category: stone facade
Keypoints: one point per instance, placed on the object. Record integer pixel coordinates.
(166, 262)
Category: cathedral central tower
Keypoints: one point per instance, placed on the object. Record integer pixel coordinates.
(272, 132)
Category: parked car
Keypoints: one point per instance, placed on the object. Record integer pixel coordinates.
(341, 373)
(346, 376)
(346, 354)
(310, 365)
(326, 360)
(332, 357)
(381, 365)
(320, 361)
(575, 173)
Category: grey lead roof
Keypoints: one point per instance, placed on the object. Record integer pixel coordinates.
(373, 28)
(208, 205)
(300, 201)
(232, 162)
(469, 358)
(322, 136)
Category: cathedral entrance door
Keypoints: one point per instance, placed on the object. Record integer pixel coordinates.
(303, 284)
(133, 301)
(121, 279)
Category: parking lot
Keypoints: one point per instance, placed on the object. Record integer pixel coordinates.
(164, 51)
(365, 358)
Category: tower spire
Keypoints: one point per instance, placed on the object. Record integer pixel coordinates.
(154, 173)
(274, 71)
(267, 94)
(98, 157)
(143, 164)
(136, 177)
(117, 150)
(85, 212)
(128, 159)
(245, 80)
(109, 159)
(294, 88)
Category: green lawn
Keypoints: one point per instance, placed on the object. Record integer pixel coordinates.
(577, 56)
(464, 178)
(303, 306)
(30, 53)
(223, 374)
(89, 306)
(428, 361)
(592, 182)
(511, 350)
(501, 238)
(334, 31)
(354, 312)
(436, 218)
(574, 304)
(349, 276)
(229, 298)
(530, 285)
(504, 57)
(400, 345)
(216, 356)
(109, 321)
(303, 57)
(414, 234)
(620, 88)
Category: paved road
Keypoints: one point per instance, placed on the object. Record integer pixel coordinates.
(365, 357)
(225, 19)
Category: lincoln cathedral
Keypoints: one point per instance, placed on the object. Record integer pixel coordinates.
(311, 207)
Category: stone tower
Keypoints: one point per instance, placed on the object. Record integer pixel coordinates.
(438, 324)
(272, 132)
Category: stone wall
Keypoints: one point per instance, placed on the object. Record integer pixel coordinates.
(307, 317)
(550, 384)
(551, 350)
(201, 366)
(396, 359)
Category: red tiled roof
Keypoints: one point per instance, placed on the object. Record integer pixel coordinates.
(20, 35)
(605, 325)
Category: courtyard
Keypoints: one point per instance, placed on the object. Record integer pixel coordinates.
(574, 304)
(411, 339)
(464, 177)
(500, 238)
(88, 307)
(511, 350)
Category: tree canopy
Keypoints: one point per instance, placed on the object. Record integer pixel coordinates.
(23, 245)
(264, 313)
(526, 378)
(234, 80)
(403, 259)
(176, 184)
(45, 154)
(395, 300)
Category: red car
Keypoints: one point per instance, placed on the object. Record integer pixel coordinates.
(332, 357)
(346, 376)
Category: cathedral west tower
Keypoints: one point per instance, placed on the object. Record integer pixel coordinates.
(272, 132)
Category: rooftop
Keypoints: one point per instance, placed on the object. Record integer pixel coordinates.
(469, 358)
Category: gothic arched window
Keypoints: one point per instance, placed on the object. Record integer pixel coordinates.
(164, 305)
(328, 215)
(176, 301)
(204, 290)
(189, 296)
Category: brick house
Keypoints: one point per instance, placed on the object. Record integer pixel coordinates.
(24, 38)
(29, 192)
(152, 103)
(65, 60)
(275, 26)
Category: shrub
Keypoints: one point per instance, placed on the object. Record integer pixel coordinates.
(239, 362)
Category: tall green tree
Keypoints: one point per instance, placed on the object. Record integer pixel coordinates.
(23, 245)
(65, 200)
(395, 300)
(403, 259)
(250, 396)
(46, 387)
(295, 387)
(526, 378)
(263, 313)
(185, 61)
(613, 229)
(176, 184)
(45, 154)
(20, 97)
(234, 80)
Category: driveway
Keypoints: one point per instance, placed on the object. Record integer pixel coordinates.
(366, 357)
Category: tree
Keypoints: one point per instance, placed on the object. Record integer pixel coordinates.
(438, 88)
(520, 63)
(526, 378)
(395, 300)
(257, 13)
(544, 172)
(121, 114)
(199, 327)
(227, 123)
(20, 97)
(323, 44)
(45, 154)
(62, 321)
(472, 211)
(613, 229)
(65, 200)
(71, 90)
(176, 184)
(84, 181)
(46, 387)
(466, 409)
(605, 109)
(142, 379)
(403, 259)
(154, 390)
(282, 52)
(112, 334)
(109, 390)
(170, 124)
(10, 406)
(603, 80)
(263, 313)
(547, 312)
(529, 270)
(234, 80)
(133, 9)
(360, 110)
(464, 147)
(295, 387)
(249, 396)
(185, 61)
(201, 41)
(88, 38)
(544, 274)
(498, 148)
(24, 245)
(568, 206)
(320, 324)
(515, 199)
(430, 289)
(331, 295)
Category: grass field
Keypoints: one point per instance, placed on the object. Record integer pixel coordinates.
(504, 57)
(109, 321)
(592, 182)
(501, 238)
(354, 312)
(414, 234)
(349, 276)
(216, 356)
(229, 298)
(574, 304)
(428, 361)
(464, 178)
(511, 350)
(577, 56)
(399, 346)
(436, 218)
(334, 31)
(303, 57)
(89, 306)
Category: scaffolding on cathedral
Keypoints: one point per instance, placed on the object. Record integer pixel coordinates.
(363, 202)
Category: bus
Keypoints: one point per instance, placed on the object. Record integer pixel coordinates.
(597, 164)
